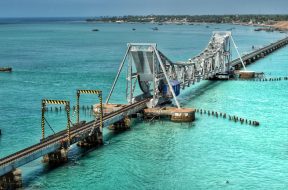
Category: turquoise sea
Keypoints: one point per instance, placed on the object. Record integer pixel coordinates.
(53, 59)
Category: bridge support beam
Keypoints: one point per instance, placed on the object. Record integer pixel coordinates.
(58, 157)
(11, 180)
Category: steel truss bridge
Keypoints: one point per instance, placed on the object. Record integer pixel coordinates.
(153, 71)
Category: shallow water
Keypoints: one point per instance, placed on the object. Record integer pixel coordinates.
(52, 60)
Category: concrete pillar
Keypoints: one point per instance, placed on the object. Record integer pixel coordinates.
(96, 139)
(122, 125)
(246, 74)
(11, 180)
(58, 157)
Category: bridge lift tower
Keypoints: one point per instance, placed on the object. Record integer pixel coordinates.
(145, 66)
(160, 78)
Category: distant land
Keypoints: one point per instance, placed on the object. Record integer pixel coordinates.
(277, 22)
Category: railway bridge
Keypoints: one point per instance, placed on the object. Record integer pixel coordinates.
(151, 79)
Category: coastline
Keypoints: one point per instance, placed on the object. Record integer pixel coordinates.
(281, 26)
(266, 25)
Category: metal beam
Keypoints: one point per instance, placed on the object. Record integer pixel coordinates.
(236, 48)
(118, 74)
(67, 108)
(97, 92)
(166, 76)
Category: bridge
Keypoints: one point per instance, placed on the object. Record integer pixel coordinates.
(159, 80)
(259, 53)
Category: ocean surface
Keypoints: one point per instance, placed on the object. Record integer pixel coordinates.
(54, 59)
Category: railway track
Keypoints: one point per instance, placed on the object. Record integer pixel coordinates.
(62, 135)
(259, 51)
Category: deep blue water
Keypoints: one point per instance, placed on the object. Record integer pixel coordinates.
(51, 60)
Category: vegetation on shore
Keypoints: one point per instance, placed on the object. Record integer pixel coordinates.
(251, 19)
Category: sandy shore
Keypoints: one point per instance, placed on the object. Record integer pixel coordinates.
(281, 25)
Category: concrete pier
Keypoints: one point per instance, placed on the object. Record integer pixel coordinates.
(93, 140)
(58, 157)
(175, 114)
(121, 125)
(11, 180)
(246, 74)
(107, 108)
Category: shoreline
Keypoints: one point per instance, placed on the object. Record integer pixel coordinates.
(281, 26)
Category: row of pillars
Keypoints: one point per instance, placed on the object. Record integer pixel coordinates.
(60, 108)
(265, 79)
(230, 117)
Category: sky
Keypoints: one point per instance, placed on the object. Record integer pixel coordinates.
(91, 8)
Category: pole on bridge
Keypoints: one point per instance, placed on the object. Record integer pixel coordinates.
(68, 122)
(118, 74)
(77, 106)
(43, 119)
(236, 48)
(101, 112)
(166, 76)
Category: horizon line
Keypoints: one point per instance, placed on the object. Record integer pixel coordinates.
(248, 14)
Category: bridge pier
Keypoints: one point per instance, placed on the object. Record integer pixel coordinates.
(11, 180)
(174, 114)
(121, 125)
(58, 157)
(95, 139)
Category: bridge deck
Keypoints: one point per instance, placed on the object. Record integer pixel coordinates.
(253, 54)
(53, 143)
